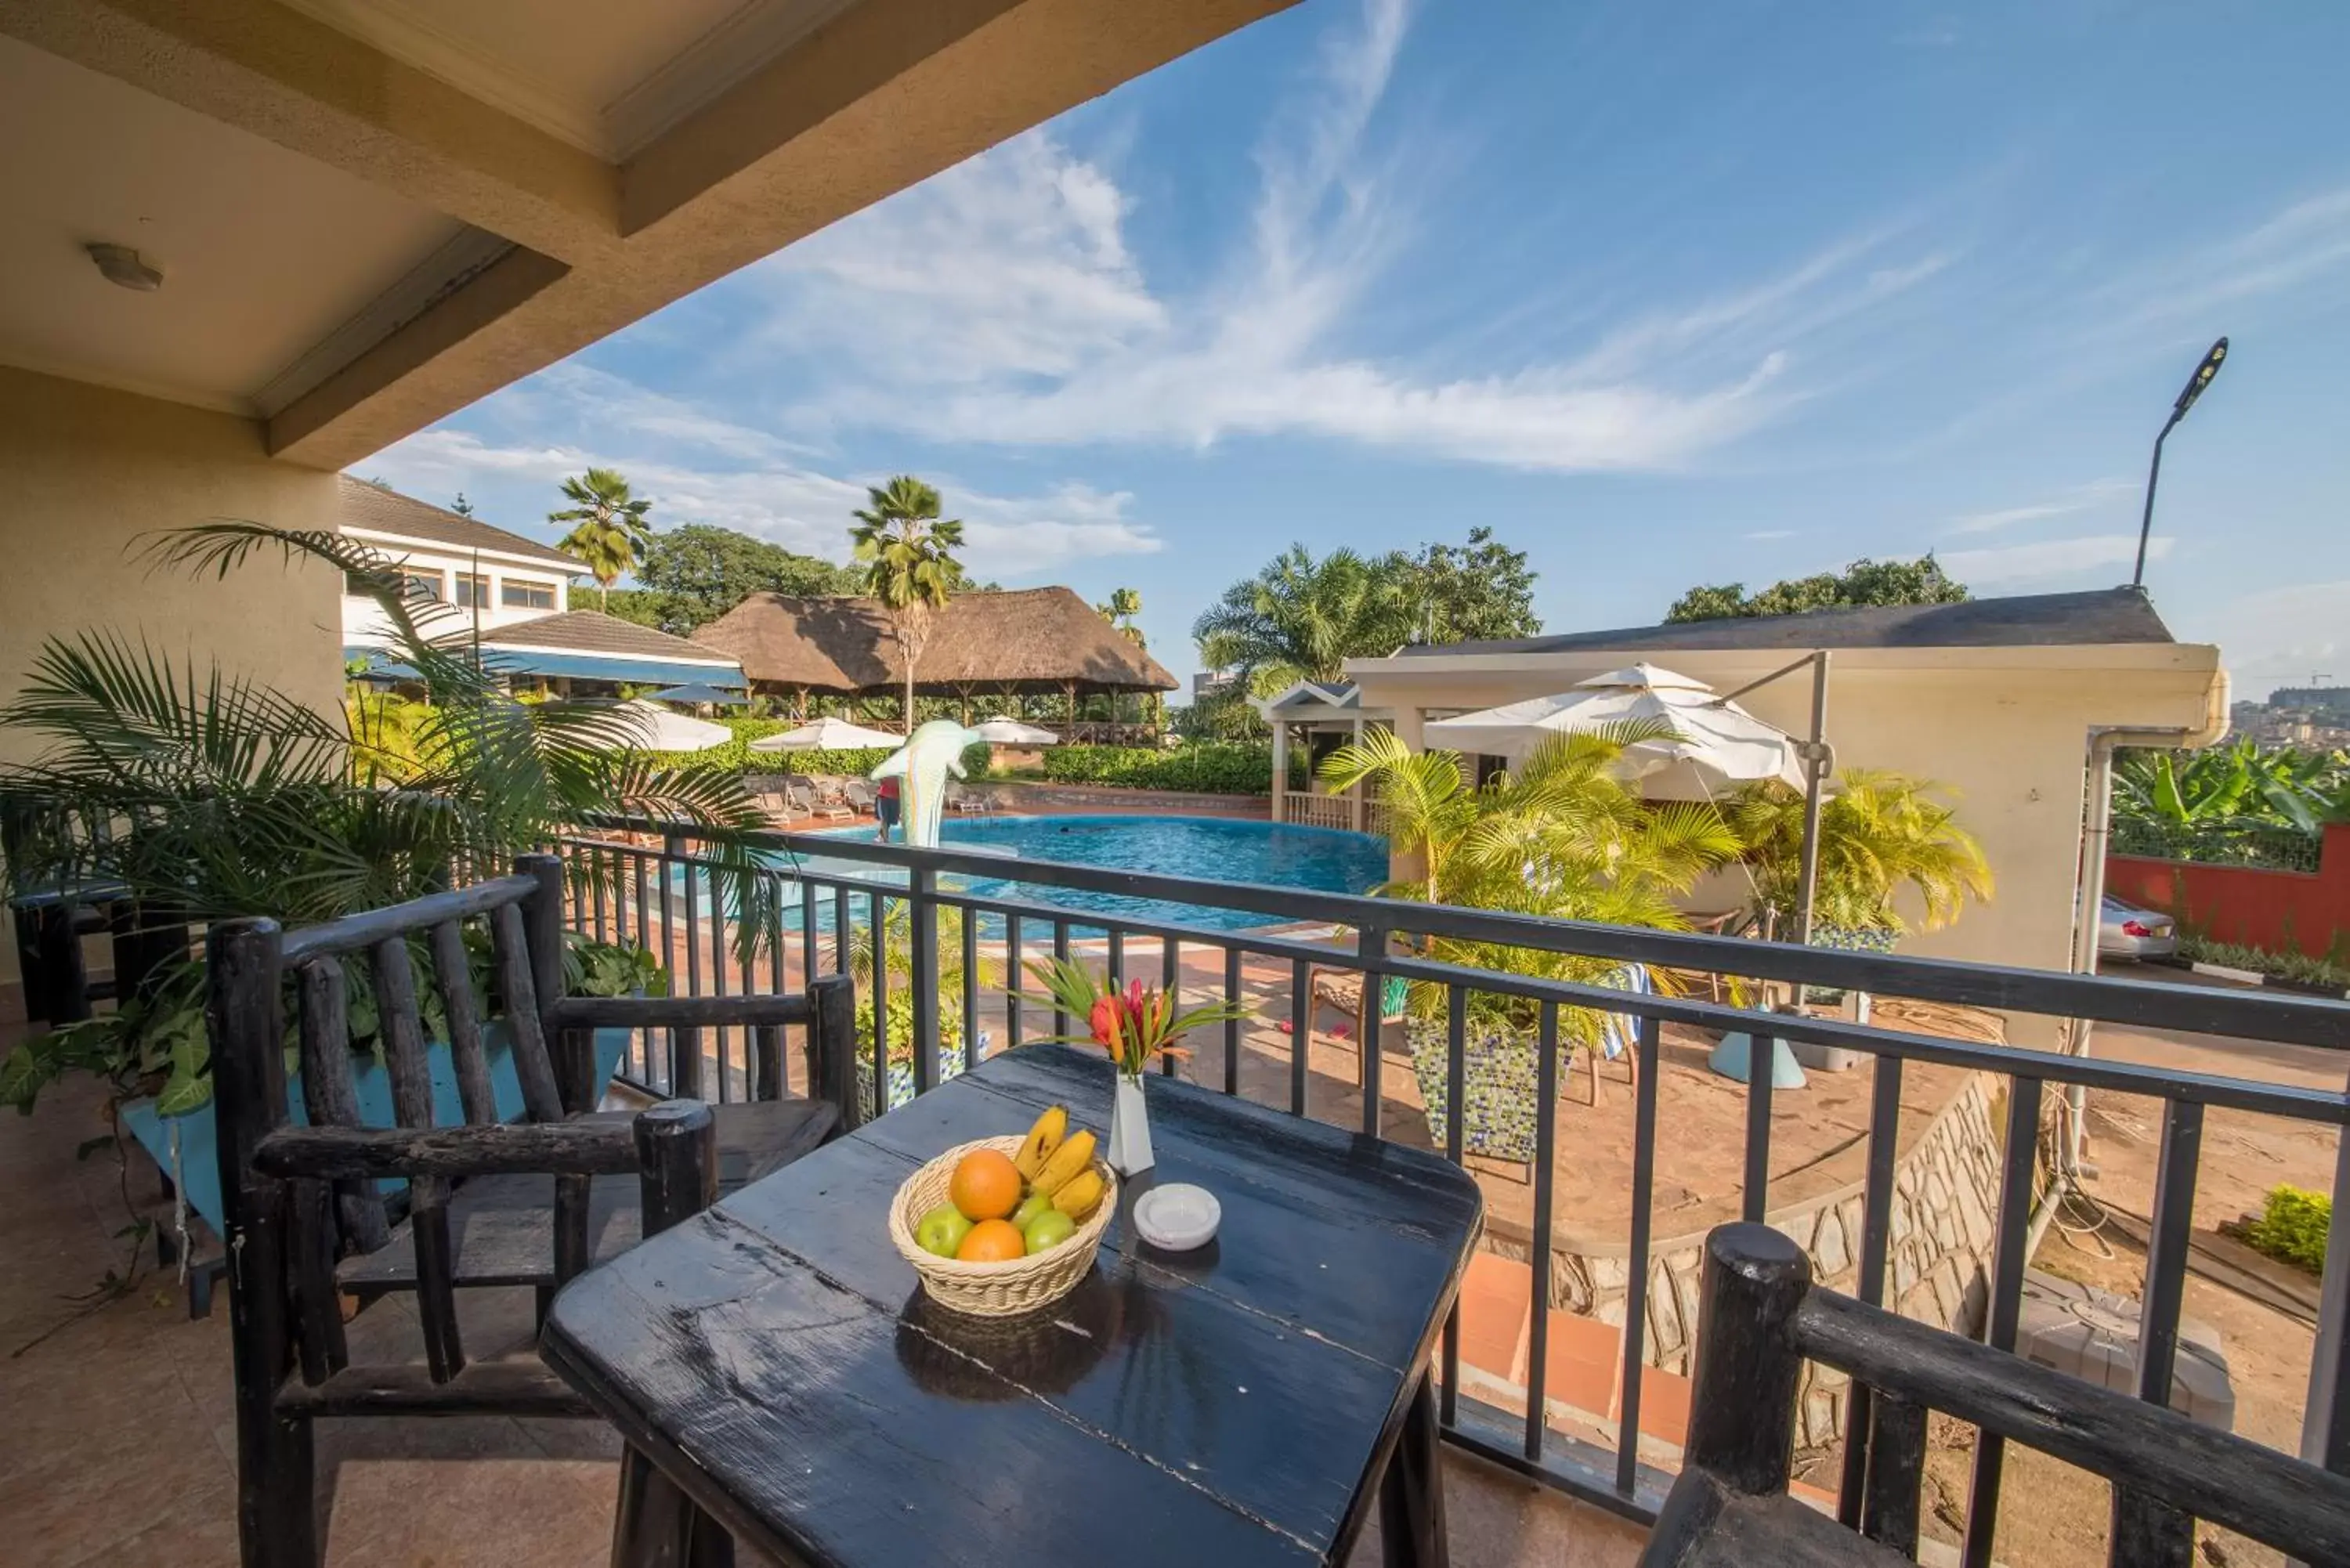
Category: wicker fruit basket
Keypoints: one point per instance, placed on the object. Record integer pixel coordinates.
(994, 1290)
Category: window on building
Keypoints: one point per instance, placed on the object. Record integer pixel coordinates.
(523, 595)
(418, 585)
(472, 592)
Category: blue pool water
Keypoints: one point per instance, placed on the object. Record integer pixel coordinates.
(1212, 849)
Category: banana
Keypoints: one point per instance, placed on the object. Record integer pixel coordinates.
(1043, 1139)
(1080, 1195)
(1076, 1154)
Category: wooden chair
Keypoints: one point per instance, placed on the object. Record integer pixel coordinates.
(532, 1202)
(1761, 1317)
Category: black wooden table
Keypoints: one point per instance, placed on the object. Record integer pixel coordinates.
(775, 1360)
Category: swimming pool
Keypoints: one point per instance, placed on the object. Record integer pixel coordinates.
(1216, 849)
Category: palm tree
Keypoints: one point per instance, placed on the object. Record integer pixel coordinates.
(245, 800)
(1124, 605)
(1879, 832)
(1560, 838)
(1301, 620)
(908, 551)
(608, 530)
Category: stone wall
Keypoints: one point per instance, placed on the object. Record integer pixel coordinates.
(1945, 1193)
(1028, 796)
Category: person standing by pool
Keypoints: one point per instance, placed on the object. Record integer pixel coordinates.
(885, 807)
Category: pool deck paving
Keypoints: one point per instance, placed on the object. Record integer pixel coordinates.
(120, 1436)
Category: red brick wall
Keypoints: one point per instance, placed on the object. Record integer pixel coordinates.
(2279, 910)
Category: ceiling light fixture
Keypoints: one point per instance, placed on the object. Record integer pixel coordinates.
(122, 265)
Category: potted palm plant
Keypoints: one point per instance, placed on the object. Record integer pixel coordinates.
(1560, 836)
(1880, 833)
(231, 799)
(896, 949)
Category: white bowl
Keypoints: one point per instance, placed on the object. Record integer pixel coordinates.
(1178, 1216)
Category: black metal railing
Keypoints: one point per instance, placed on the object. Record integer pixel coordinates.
(824, 891)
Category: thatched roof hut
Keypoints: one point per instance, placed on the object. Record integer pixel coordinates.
(1031, 641)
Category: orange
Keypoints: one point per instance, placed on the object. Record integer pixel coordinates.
(992, 1242)
(986, 1185)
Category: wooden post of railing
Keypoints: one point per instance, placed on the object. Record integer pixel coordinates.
(832, 1046)
(1743, 1403)
(676, 1158)
(676, 1162)
(273, 1462)
(542, 918)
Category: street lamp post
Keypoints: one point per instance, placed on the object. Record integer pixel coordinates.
(2194, 390)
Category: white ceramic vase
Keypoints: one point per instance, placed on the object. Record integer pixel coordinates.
(1130, 1127)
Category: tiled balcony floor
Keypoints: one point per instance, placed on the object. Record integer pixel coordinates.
(118, 1432)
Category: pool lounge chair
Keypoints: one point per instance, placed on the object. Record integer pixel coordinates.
(823, 799)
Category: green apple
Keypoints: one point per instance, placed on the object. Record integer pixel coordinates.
(1036, 1203)
(941, 1230)
(1049, 1229)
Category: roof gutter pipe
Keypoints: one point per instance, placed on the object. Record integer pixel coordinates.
(2096, 837)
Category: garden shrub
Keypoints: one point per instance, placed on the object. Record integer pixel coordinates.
(2291, 1228)
(1199, 769)
(2299, 967)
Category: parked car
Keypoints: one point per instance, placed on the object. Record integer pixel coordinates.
(2126, 931)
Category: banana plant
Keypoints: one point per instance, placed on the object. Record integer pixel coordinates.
(2237, 788)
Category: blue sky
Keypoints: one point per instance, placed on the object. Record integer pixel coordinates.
(1715, 292)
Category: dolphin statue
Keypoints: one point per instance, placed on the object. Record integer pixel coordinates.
(932, 751)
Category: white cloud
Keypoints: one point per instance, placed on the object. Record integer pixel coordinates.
(1000, 304)
(2081, 498)
(1764, 535)
(2305, 242)
(797, 506)
(2048, 559)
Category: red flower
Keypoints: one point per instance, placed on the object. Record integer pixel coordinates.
(1105, 1021)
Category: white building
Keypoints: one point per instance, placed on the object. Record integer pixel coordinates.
(503, 578)
(507, 593)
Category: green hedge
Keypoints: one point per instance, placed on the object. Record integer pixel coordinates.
(1201, 769)
(2291, 1228)
(1197, 769)
(2294, 966)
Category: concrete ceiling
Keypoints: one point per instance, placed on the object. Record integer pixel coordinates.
(265, 255)
(369, 213)
(607, 76)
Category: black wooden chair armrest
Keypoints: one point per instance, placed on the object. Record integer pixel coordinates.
(677, 1011)
(340, 1153)
(2193, 1464)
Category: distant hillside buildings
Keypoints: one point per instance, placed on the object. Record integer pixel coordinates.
(2297, 716)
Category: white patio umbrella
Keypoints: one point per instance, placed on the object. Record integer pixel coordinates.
(656, 729)
(1005, 730)
(827, 734)
(1720, 744)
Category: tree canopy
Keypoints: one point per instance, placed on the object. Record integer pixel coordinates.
(1478, 592)
(1864, 582)
(701, 572)
(1301, 619)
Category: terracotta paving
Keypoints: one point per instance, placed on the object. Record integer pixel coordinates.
(120, 1437)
